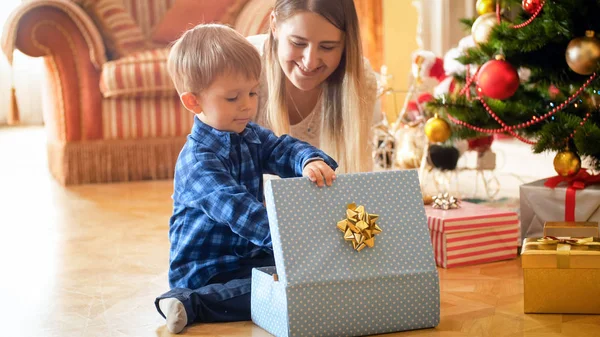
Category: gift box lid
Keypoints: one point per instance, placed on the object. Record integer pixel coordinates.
(308, 246)
(469, 217)
(572, 227)
(539, 184)
(570, 224)
(549, 253)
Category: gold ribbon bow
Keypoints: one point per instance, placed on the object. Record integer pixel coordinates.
(359, 227)
(563, 247)
(551, 240)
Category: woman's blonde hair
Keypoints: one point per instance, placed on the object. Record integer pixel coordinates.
(346, 119)
(207, 51)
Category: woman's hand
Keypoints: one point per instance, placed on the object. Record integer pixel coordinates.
(319, 173)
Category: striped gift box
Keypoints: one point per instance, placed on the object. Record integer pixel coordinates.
(472, 234)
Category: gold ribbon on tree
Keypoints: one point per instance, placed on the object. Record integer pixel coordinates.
(359, 227)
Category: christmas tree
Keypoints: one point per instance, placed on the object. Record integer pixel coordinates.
(531, 74)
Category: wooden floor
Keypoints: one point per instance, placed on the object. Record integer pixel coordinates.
(89, 261)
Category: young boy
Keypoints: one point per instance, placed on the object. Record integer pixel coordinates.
(219, 229)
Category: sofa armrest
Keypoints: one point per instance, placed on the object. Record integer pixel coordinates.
(85, 25)
(74, 53)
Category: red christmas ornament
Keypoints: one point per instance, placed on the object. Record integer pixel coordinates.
(424, 97)
(531, 6)
(437, 69)
(480, 144)
(412, 106)
(497, 79)
(553, 91)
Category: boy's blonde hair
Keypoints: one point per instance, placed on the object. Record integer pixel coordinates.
(207, 51)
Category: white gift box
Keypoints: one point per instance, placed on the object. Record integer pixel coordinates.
(541, 204)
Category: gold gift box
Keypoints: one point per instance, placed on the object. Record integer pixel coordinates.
(561, 278)
(571, 229)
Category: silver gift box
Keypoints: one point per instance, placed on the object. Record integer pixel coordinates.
(541, 204)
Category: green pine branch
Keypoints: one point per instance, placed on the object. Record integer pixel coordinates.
(539, 47)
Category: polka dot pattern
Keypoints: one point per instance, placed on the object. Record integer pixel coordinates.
(268, 302)
(330, 288)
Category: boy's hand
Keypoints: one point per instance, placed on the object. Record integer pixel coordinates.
(319, 173)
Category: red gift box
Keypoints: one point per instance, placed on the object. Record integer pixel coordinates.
(472, 234)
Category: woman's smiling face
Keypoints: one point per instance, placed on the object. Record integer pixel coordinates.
(309, 49)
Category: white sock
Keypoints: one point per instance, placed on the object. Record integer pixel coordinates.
(175, 313)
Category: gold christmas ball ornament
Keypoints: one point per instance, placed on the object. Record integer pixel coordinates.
(427, 199)
(437, 130)
(482, 27)
(583, 53)
(567, 163)
(485, 6)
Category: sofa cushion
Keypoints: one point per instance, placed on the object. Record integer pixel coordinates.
(121, 33)
(185, 14)
(254, 17)
(145, 117)
(137, 75)
(148, 13)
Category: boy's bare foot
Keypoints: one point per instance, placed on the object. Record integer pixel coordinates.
(175, 313)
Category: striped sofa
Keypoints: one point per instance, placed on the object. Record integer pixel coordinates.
(109, 119)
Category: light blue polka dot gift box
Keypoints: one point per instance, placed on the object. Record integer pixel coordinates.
(326, 287)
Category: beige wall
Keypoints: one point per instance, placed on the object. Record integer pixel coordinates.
(409, 25)
(29, 72)
(400, 20)
(27, 79)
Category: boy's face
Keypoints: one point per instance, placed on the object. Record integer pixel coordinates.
(229, 103)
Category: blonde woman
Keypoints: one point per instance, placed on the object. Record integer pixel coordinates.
(316, 85)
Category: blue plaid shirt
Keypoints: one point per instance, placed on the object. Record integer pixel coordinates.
(219, 221)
